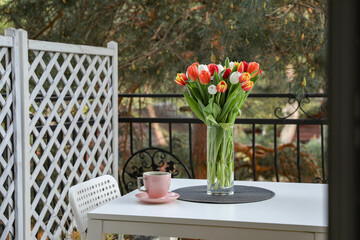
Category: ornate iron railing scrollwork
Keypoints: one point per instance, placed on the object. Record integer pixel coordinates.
(300, 101)
(319, 180)
(151, 159)
(291, 100)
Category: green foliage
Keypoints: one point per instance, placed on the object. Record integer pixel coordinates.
(288, 39)
(157, 39)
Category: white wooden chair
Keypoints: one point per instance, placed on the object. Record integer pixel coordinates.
(91, 194)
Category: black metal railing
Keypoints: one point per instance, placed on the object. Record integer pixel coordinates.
(275, 122)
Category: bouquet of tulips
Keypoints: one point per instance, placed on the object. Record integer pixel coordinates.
(216, 94)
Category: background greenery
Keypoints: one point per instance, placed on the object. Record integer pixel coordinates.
(157, 39)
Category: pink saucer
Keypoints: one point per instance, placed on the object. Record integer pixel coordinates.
(170, 196)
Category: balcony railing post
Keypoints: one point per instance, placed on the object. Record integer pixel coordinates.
(19, 60)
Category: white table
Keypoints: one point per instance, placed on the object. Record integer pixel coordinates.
(298, 211)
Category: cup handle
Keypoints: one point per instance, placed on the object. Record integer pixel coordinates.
(139, 184)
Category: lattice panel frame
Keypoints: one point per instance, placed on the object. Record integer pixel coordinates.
(7, 161)
(71, 127)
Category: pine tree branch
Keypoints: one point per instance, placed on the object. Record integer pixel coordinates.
(50, 25)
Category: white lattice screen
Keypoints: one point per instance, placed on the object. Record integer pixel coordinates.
(58, 127)
(7, 191)
(71, 127)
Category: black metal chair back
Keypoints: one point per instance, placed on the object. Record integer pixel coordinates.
(152, 159)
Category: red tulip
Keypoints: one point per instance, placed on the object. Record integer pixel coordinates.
(242, 66)
(181, 79)
(253, 69)
(193, 71)
(212, 68)
(246, 66)
(247, 86)
(221, 87)
(226, 74)
(204, 77)
(244, 77)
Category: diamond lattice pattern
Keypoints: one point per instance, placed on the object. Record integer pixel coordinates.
(71, 132)
(7, 211)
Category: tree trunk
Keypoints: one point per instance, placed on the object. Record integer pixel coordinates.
(199, 150)
(159, 136)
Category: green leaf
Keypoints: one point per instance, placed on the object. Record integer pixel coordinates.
(208, 109)
(226, 126)
(216, 78)
(195, 91)
(211, 119)
(194, 107)
(216, 110)
(228, 108)
(222, 99)
(254, 79)
(229, 102)
(199, 87)
(201, 106)
(211, 101)
(206, 93)
(227, 63)
(234, 69)
(234, 113)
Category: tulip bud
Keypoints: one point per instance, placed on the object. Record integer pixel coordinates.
(242, 66)
(220, 67)
(193, 71)
(234, 77)
(231, 64)
(253, 69)
(221, 87)
(212, 68)
(181, 79)
(246, 86)
(212, 89)
(237, 64)
(226, 74)
(204, 77)
(244, 77)
(203, 67)
(246, 65)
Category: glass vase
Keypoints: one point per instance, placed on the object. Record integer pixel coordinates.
(220, 161)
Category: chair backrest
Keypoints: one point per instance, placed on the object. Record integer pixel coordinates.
(91, 194)
(152, 159)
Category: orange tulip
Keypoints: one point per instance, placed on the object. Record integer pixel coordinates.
(204, 77)
(193, 71)
(253, 69)
(244, 77)
(247, 86)
(181, 79)
(221, 87)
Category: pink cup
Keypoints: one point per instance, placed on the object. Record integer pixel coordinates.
(156, 184)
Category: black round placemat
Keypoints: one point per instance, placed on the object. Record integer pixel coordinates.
(242, 194)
